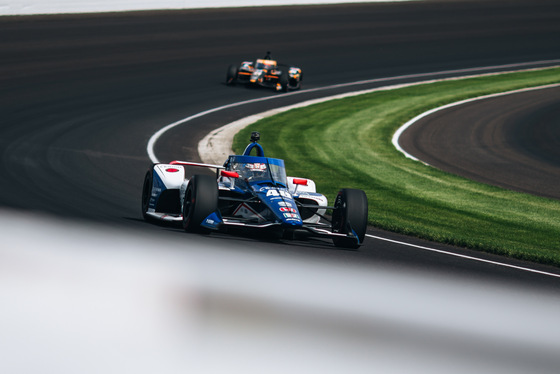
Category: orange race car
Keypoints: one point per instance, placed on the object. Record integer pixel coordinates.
(265, 72)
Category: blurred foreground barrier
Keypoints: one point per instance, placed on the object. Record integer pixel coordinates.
(93, 299)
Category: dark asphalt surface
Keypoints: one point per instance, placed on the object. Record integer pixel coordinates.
(509, 141)
(82, 94)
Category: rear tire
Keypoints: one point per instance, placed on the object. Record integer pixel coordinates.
(231, 76)
(350, 213)
(285, 80)
(201, 199)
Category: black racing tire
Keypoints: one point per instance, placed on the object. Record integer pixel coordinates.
(201, 199)
(285, 80)
(231, 76)
(297, 85)
(146, 193)
(350, 213)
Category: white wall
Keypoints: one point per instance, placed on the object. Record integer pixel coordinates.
(21, 7)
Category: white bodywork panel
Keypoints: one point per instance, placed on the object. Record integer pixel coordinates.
(308, 191)
(172, 176)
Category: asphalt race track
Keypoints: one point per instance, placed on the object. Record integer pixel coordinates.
(82, 94)
(508, 141)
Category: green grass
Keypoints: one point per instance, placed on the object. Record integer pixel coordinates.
(347, 143)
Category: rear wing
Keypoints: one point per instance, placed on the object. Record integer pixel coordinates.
(186, 163)
(198, 164)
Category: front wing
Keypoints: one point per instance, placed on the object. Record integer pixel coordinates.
(319, 229)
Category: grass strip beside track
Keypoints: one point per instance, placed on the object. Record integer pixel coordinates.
(347, 143)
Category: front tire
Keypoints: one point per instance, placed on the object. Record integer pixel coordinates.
(350, 214)
(201, 199)
(146, 193)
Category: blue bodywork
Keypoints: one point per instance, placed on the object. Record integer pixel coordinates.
(262, 183)
(263, 187)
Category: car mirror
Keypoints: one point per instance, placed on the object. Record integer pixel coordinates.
(229, 174)
(300, 181)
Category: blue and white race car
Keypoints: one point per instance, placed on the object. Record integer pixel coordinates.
(251, 192)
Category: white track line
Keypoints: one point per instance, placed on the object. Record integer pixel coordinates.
(154, 138)
(464, 256)
(404, 127)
